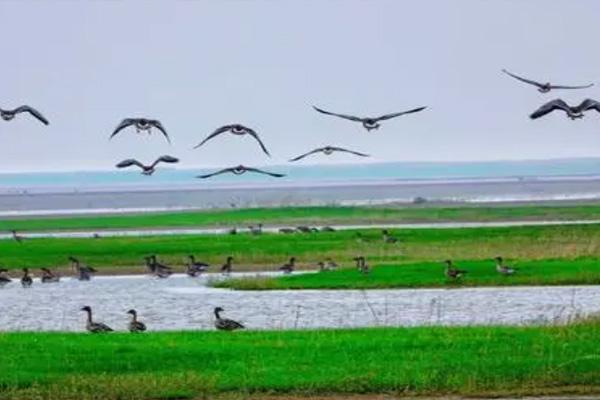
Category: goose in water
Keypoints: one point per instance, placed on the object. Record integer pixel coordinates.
(156, 268)
(256, 230)
(224, 324)
(503, 268)
(135, 326)
(361, 265)
(4, 278)
(147, 169)
(573, 112)
(370, 123)
(238, 130)
(545, 87)
(387, 238)
(84, 272)
(228, 266)
(288, 267)
(8, 115)
(26, 280)
(141, 125)
(452, 272)
(94, 327)
(240, 170)
(18, 238)
(328, 150)
(49, 276)
(195, 268)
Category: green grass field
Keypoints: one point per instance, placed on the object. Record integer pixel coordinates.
(307, 216)
(429, 360)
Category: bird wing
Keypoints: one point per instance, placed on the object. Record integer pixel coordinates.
(129, 162)
(165, 159)
(571, 87)
(156, 123)
(252, 133)
(33, 112)
(260, 171)
(124, 124)
(350, 117)
(223, 171)
(556, 104)
(349, 151)
(307, 154)
(217, 132)
(531, 82)
(589, 104)
(394, 115)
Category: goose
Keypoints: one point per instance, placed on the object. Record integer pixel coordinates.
(255, 230)
(573, 112)
(328, 150)
(387, 238)
(238, 130)
(84, 272)
(4, 278)
(135, 326)
(232, 231)
(240, 170)
(147, 169)
(330, 264)
(48, 276)
(224, 324)
(18, 238)
(370, 123)
(361, 265)
(327, 229)
(305, 229)
(228, 266)
(8, 115)
(452, 272)
(195, 268)
(288, 268)
(156, 268)
(26, 280)
(545, 87)
(141, 125)
(94, 327)
(286, 230)
(502, 268)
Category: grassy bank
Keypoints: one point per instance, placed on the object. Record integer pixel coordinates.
(465, 361)
(428, 274)
(269, 251)
(306, 216)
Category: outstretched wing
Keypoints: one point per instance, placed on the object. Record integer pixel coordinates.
(531, 82)
(129, 162)
(217, 132)
(350, 117)
(394, 115)
(33, 112)
(550, 106)
(589, 104)
(307, 154)
(165, 159)
(223, 171)
(349, 151)
(124, 124)
(252, 133)
(156, 123)
(571, 87)
(260, 171)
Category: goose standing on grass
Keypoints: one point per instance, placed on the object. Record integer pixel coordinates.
(94, 327)
(26, 280)
(287, 230)
(361, 265)
(288, 267)
(8, 115)
(452, 272)
(232, 231)
(224, 324)
(4, 278)
(195, 268)
(545, 87)
(327, 265)
(503, 268)
(387, 238)
(18, 238)
(141, 125)
(238, 130)
(306, 229)
(49, 276)
(328, 150)
(240, 170)
(147, 169)
(135, 326)
(228, 266)
(370, 123)
(327, 229)
(84, 272)
(573, 112)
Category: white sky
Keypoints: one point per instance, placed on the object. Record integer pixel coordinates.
(196, 65)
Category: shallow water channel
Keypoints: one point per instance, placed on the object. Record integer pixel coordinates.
(180, 302)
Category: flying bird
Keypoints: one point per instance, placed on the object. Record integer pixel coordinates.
(328, 150)
(141, 125)
(573, 112)
(8, 115)
(545, 87)
(239, 170)
(147, 169)
(236, 129)
(370, 123)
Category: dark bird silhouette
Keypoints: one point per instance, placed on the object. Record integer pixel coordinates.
(135, 326)
(26, 280)
(49, 276)
(573, 112)
(286, 230)
(156, 268)
(141, 125)
(84, 272)
(328, 150)
(8, 115)
(228, 266)
(452, 272)
(256, 230)
(147, 169)
(94, 327)
(387, 238)
(289, 267)
(4, 278)
(224, 324)
(545, 87)
(370, 123)
(17, 237)
(238, 130)
(362, 266)
(503, 268)
(239, 170)
(195, 268)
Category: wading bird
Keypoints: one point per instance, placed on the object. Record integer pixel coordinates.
(147, 169)
(135, 326)
(238, 130)
(141, 125)
(224, 324)
(94, 327)
(545, 87)
(26, 280)
(195, 268)
(503, 268)
(573, 112)
(370, 123)
(8, 115)
(328, 150)
(49, 276)
(452, 272)
(240, 170)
